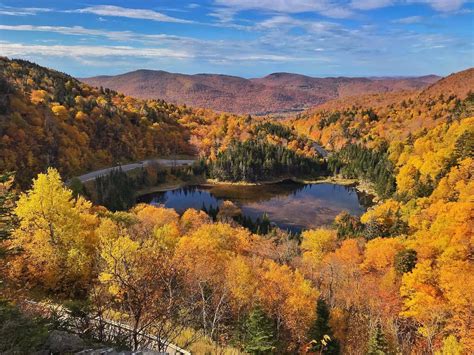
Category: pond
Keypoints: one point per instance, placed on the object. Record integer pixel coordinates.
(288, 204)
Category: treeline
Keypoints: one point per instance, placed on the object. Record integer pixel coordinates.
(255, 160)
(357, 161)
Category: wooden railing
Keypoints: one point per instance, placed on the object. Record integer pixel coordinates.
(107, 330)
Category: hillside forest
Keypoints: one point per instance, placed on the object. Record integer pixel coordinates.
(397, 280)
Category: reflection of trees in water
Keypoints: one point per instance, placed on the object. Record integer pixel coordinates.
(365, 200)
(256, 193)
(294, 215)
(156, 198)
(189, 189)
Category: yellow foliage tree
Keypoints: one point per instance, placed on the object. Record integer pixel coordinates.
(56, 235)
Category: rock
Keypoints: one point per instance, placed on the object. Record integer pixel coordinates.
(60, 342)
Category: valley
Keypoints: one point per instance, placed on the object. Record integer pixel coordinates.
(102, 194)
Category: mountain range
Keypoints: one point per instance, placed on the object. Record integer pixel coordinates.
(277, 93)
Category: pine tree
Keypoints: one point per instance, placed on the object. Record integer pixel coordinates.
(259, 334)
(377, 342)
(8, 219)
(405, 261)
(321, 333)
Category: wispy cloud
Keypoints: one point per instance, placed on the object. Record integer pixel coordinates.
(409, 20)
(22, 11)
(142, 14)
(370, 4)
(124, 36)
(18, 49)
(332, 8)
(94, 53)
(442, 5)
(74, 30)
(325, 7)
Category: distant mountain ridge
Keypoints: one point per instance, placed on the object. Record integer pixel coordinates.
(273, 94)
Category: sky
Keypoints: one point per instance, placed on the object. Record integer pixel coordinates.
(249, 38)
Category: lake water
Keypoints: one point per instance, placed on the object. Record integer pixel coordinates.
(289, 205)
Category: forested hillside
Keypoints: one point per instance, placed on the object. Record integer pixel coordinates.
(397, 280)
(372, 119)
(48, 118)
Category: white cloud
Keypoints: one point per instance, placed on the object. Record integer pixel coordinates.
(331, 8)
(142, 14)
(409, 20)
(74, 30)
(325, 7)
(18, 49)
(223, 15)
(112, 35)
(370, 4)
(438, 5)
(22, 11)
(442, 5)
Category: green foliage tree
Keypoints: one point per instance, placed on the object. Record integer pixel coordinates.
(8, 219)
(321, 333)
(357, 161)
(405, 261)
(18, 333)
(348, 226)
(255, 160)
(377, 343)
(465, 146)
(116, 190)
(77, 187)
(259, 333)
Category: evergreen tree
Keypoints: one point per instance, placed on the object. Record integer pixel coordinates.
(348, 226)
(377, 342)
(255, 160)
(405, 261)
(77, 187)
(116, 190)
(357, 161)
(321, 333)
(464, 147)
(259, 333)
(8, 219)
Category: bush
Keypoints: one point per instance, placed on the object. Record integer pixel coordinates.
(19, 333)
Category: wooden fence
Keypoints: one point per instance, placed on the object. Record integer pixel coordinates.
(106, 330)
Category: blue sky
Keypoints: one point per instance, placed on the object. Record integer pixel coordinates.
(248, 38)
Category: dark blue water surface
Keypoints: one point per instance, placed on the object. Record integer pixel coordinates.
(288, 204)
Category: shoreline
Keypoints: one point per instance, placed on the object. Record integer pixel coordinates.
(360, 186)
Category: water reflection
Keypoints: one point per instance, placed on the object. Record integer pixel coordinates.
(290, 205)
